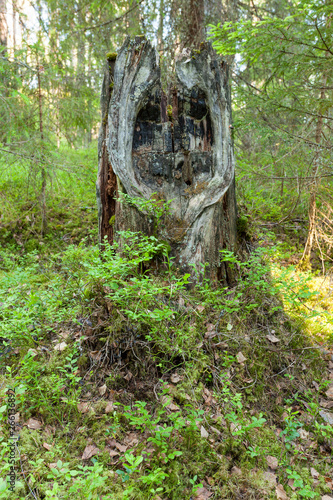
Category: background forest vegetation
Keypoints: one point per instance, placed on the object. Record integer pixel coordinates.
(132, 385)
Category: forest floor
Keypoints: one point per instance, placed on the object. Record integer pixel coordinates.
(118, 384)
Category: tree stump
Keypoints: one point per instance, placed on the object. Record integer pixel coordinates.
(175, 147)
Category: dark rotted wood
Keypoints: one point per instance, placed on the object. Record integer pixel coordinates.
(108, 189)
(106, 185)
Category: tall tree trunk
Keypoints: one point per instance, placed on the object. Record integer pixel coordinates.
(160, 31)
(192, 23)
(305, 260)
(4, 79)
(196, 33)
(3, 24)
(41, 131)
(14, 25)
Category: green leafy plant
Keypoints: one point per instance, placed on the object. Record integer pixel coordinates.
(83, 481)
(194, 484)
(290, 431)
(304, 490)
(130, 464)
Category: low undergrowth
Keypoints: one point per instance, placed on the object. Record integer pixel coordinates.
(122, 382)
(70, 203)
(143, 385)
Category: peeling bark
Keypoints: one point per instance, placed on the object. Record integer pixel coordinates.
(106, 185)
(176, 147)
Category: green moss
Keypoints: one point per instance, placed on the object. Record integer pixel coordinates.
(111, 56)
(83, 361)
(111, 86)
(242, 225)
(169, 112)
(112, 220)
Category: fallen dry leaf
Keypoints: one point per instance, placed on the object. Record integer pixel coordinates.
(236, 471)
(329, 482)
(84, 407)
(272, 462)
(234, 427)
(131, 439)
(96, 355)
(102, 390)
(328, 417)
(280, 493)
(175, 378)
(54, 465)
(270, 478)
(203, 494)
(111, 442)
(181, 302)
(173, 407)
(272, 338)
(210, 335)
(303, 434)
(315, 385)
(326, 404)
(240, 357)
(326, 497)
(49, 430)
(47, 446)
(89, 451)
(314, 473)
(121, 447)
(128, 376)
(207, 397)
(33, 424)
(203, 432)
(210, 328)
(60, 347)
(149, 450)
(291, 484)
(113, 453)
(200, 308)
(110, 407)
(165, 400)
(329, 393)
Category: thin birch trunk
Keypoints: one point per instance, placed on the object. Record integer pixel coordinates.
(305, 260)
(41, 131)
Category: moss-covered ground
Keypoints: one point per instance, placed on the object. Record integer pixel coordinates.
(131, 385)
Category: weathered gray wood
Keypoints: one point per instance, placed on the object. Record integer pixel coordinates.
(178, 146)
